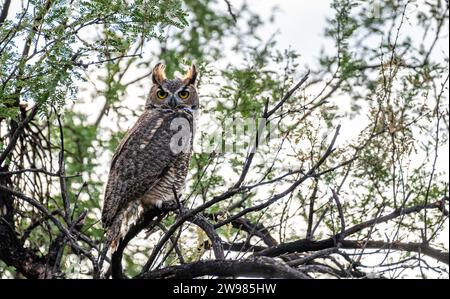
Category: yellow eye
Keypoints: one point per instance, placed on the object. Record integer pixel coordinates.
(183, 94)
(161, 94)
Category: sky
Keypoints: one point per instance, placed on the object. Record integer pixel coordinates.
(300, 24)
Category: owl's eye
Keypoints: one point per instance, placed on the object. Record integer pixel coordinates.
(161, 94)
(183, 94)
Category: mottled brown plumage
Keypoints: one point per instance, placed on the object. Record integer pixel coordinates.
(153, 158)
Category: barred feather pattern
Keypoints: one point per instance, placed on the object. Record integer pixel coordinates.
(144, 172)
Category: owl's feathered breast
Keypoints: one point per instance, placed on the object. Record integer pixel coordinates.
(143, 159)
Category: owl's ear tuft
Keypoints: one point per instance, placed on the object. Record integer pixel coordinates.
(159, 74)
(190, 76)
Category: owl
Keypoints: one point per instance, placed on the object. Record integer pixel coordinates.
(149, 167)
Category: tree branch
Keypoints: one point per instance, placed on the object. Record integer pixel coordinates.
(17, 133)
(410, 247)
(290, 189)
(253, 267)
(305, 245)
(4, 12)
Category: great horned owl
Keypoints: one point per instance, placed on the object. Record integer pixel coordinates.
(151, 162)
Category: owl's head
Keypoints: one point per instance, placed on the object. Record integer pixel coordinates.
(173, 94)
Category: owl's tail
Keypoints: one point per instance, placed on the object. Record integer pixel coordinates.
(119, 228)
(112, 240)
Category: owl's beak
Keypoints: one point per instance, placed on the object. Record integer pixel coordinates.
(172, 102)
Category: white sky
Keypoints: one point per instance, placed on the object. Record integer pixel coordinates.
(300, 23)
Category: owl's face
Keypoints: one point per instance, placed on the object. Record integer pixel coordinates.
(173, 94)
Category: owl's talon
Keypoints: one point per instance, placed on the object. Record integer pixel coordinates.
(169, 206)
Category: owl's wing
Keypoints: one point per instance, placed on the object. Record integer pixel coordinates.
(139, 162)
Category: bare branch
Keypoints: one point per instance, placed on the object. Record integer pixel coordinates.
(304, 245)
(4, 12)
(252, 267)
(230, 10)
(290, 189)
(17, 133)
(287, 95)
(411, 247)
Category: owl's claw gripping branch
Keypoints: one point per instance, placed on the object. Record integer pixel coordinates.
(168, 206)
